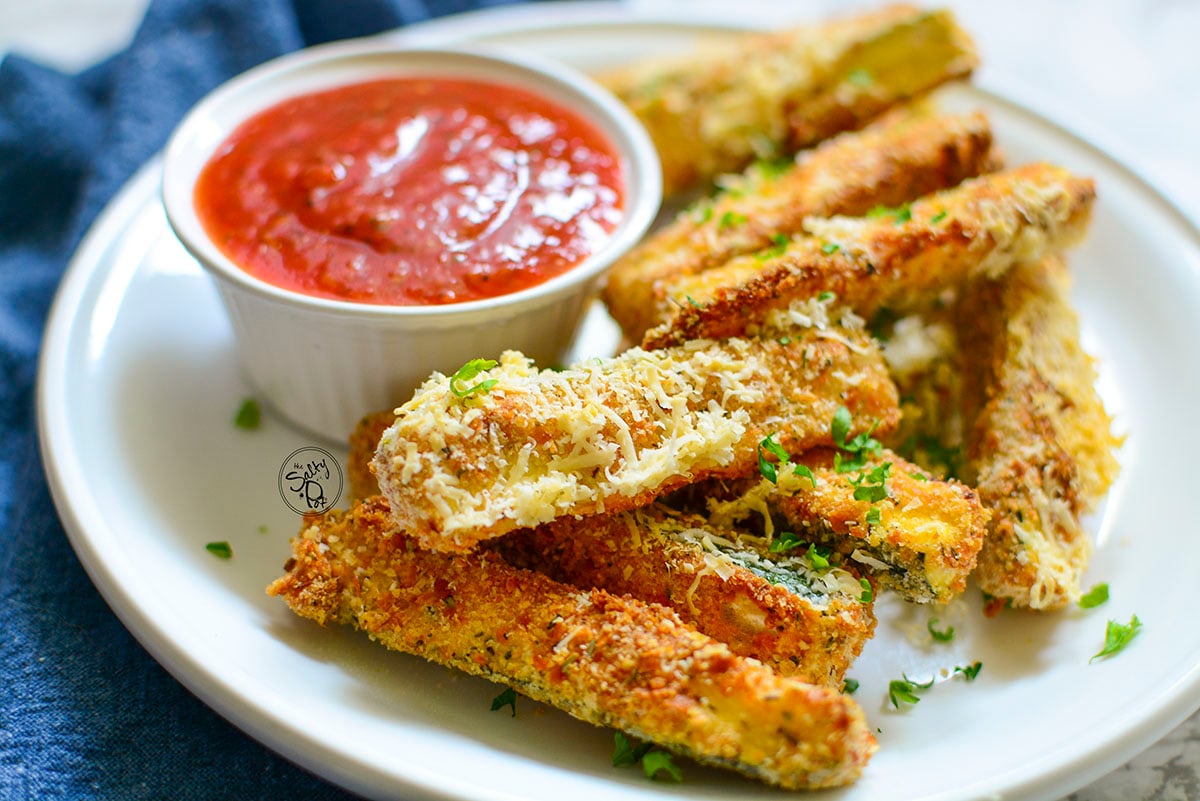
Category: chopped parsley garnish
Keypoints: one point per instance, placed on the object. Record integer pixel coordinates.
(1094, 597)
(872, 486)
(702, 213)
(868, 594)
(826, 296)
(899, 215)
(467, 372)
(818, 558)
(903, 691)
(221, 550)
(829, 248)
(693, 302)
(906, 691)
(849, 686)
(626, 752)
(969, 672)
(937, 218)
(941, 635)
(874, 516)
(804, 471)
(731, 218)
(767, 468)
(1117, 636)
(507, 698)
(860, 77)
(777, 248)
(660, 762)
(860, 447)
(249, 416)
(786, 541)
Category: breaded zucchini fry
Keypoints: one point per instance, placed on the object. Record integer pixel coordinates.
(614, 435)
(1041, 446)
(851, 175)
(802, 622)
(774, 94)
(900, 259)
(921, 540)
(798, 620)
(604, 659)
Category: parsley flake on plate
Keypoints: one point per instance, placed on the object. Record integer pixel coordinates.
(1117, 636)
(627, 752)
(969, 672)
(221, 550)
(249, 416)
(507, 698)
(941, 635)
(1094, 597)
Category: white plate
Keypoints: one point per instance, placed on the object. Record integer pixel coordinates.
(136, 397)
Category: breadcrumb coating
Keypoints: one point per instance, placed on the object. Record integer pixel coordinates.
(797, 620)
(920, 540)
(616, 434)
(1041, 447)
(851, 174)
(766, 95)
(605, 659)
(901, 259)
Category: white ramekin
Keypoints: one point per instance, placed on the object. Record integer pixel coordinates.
(324, 363)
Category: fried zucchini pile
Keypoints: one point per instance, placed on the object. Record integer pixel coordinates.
(853, 368)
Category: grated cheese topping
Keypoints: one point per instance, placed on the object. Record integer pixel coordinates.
(541, 444)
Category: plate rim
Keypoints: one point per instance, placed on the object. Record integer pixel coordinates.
(280, 734)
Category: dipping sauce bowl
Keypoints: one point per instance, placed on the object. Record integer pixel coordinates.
(372, 214)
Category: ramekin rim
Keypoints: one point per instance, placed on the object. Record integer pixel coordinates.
(640, 170)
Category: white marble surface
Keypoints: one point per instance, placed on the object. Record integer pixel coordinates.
(1124, 73)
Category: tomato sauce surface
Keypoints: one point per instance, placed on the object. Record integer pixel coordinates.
(412, 191)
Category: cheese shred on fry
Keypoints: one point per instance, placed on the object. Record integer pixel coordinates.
(614, 435)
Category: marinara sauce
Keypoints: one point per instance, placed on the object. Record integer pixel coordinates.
(411, 191)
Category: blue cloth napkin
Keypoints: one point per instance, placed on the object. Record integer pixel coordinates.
(84, 711)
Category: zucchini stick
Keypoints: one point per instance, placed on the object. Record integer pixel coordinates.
(1040, 444)
(607, 660)
(770, 95)
(799, 620)
(919, 539)
(852, 174)
(515, 447)
(900, 259)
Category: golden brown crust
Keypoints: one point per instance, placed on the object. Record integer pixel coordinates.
(604, 659)
(979, 228)
(616, 435)
(850, 175)
(1041, 446)
(929, 531)
(812, 629)
(773, 94)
